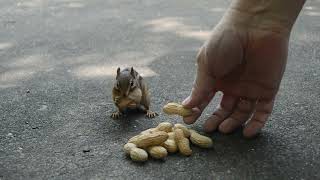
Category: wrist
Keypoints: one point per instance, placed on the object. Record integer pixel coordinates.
(271, 15)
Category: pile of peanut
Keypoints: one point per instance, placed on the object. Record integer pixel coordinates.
(165, 138)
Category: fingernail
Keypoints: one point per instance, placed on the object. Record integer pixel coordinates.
(224, 128)
(186, 101)
(188, 120)
(250, 133)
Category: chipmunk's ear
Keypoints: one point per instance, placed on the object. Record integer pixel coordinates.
(132, 72)
(118, 72)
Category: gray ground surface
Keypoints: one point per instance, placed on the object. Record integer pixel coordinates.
(57, 63)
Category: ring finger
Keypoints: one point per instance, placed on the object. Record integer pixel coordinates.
(239, 116)
(224, 110)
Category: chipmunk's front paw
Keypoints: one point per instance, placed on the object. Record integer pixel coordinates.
(117, 100)
(116, 115)
(151, 114)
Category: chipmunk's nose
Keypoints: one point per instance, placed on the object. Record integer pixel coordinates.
(125, 94)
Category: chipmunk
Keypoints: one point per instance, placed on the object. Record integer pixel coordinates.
(130, 91)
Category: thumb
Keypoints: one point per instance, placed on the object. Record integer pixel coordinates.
(203, 84)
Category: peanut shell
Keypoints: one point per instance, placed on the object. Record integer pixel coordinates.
(139, 155)
(157, 152)
(200, 140)
(152, 139)
(175, 108)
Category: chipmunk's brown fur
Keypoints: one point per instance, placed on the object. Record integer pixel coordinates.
(130, 91)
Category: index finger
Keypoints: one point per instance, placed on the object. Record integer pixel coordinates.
(197, 111)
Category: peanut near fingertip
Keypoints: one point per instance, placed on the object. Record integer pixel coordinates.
(175, 108)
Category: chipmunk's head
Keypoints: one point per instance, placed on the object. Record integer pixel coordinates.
(126, 81)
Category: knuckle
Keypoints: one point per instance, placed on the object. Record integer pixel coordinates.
(245, 106)
(259, 121)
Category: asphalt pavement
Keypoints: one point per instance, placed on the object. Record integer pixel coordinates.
(58, 59)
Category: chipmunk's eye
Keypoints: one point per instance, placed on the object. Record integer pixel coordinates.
(117, 85)
(131, 83)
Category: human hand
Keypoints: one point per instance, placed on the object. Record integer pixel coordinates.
(245, 63)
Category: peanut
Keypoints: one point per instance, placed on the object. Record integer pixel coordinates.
(182, 142)
(165, 138)
(134, 138)
(164, 126)
(157, 152)
(200, 140)
(126, 102)
(147, 140)
(170, 145)
(148, 131)
(127, 147)
(171, 135)
(185, 130)
(138, 155)
(175, 108)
